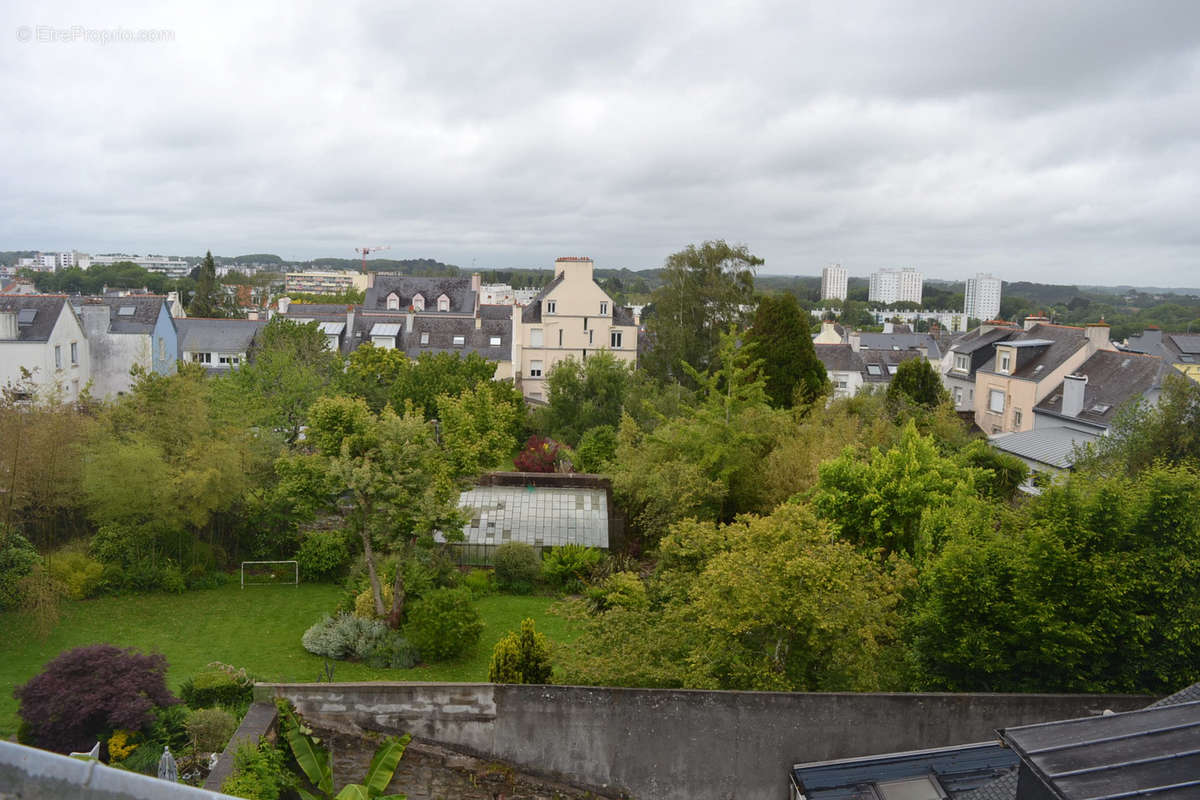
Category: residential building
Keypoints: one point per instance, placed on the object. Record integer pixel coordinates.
(497, 294)
(843, 366)
(1026, 367)
(570, 318)
(171, 267)
(218, 344)
(964, 358)
(854, 360)
(123, 332)
(524, 297)
(334, 282)
(1180, 350)
(42, 335)
(833, 282)
(982, 298)
(896, 286)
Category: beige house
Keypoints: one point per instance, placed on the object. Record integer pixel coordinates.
(1029, 366)
(571, 318)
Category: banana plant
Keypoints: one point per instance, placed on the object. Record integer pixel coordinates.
(315, 763)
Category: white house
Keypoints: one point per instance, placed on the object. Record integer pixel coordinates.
(43, 335)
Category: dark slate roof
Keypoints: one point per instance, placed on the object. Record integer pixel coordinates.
(442, 331)
(901, 341)
(142, 320)
(958, 770)
(496, 312)
(462, 298)
(976, 339)
(316, 310)
(886, 360)
(1150, 753)
(1113, 379)
(532, 311)
(47, 308)
(1061, 342)
(1187, 343)
(1005, 787)
(622, 315)
(838, 357)
(202, 335)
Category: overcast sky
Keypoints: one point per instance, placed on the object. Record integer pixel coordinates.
(1057, 142)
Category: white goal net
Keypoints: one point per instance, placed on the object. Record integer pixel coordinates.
(270, 573)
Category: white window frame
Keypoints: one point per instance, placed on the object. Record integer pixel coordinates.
(615, 339)
(535, 337)
(58, 356)
(459, 340)
(75, 354)
(962, 362)
(424, 337)
(996, 401)
(535, 368)
(604, 309)
(1016, 417)
(1005, 362)
(551, 306)
(418, 302)
(443, 304)
(393, 302)
(493, 341)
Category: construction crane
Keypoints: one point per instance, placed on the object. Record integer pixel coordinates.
(365, 250)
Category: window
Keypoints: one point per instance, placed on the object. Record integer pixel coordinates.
(996, 401)
(162, 349)
(957, 396)
(535, 369)
(418, 302)
(460, 340)
(590, 336)
(1017, 418)
(229, 360)
(494, 341)
(424, 337)
(75, 352)
(202, 358)
(604, 309)
(444, 303)
(962, 362)
(535, 337)
(58, 356)
(393, 301)
(1005, 362)
(615, 340)
(551, 307)
(874, 369)
(560, 337)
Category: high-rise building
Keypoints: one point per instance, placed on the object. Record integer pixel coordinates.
(896, 286)
(833, 282)
(982, 298)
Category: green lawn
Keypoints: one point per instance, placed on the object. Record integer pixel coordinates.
(258, 627)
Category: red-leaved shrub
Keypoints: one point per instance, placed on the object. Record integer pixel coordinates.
(540, 454)
(91, 690)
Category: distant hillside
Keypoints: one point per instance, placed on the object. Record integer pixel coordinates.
(425, 267)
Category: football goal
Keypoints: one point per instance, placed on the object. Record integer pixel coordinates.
(270, 573)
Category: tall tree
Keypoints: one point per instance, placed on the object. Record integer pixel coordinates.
(918, 382)
(208, 299)
(582, 396)
(706, 289)
(780, 338)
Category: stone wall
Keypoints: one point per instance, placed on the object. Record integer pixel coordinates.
(673, 743)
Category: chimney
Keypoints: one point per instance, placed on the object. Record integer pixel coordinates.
(1030, 321)
(475, 284)
(96, 319)
(284, 302)
(924, 351)
(349, 337)
(1073, 389)
(408, 321)
(574, 268)
(1097, 334)
(8, 325)
(855, 341)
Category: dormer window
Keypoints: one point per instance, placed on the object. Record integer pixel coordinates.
(444, 303)
(551, 306)
(962, 362)
(1005, 362)
(393, 302)
(418, 302)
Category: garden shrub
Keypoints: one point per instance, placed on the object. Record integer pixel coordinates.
(169, 728)
(144, 759)
(570, 566)
(521, 657)
(364, 602)
(620, 590)
(392, 652)
(121, 745)
(542, 454)
(260, 772)
(171, 580)
(344, 637)
(518, 566)
(17, 559)
(80, 574)
(90, 690)
(323, 555)
(218, 685)
(480, 583)
(444, 624)
(210, 729)
(596, 448)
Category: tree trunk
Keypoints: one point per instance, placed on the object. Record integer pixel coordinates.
(398, 591)
(369, 556)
